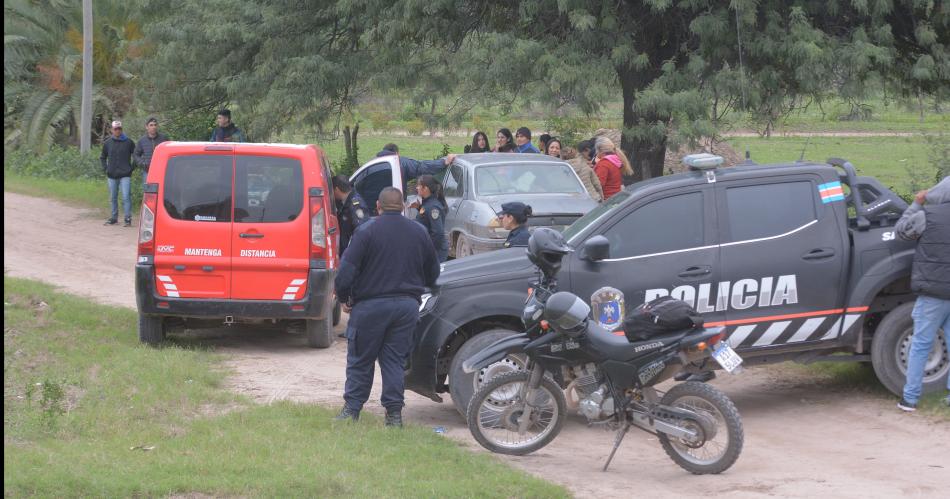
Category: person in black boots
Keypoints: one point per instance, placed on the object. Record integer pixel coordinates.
(116, 160)
(387, 266)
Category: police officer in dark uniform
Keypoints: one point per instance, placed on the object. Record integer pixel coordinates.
(351, 209)
(388, 265)
(432, 213)
(514, 217)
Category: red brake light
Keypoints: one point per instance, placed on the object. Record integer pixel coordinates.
(318, 230)
(147, 224)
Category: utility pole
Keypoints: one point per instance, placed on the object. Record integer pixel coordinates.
(85, 113)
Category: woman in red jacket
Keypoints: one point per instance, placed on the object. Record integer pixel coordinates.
(612, 165)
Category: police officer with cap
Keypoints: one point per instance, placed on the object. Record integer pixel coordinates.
(351, 209)
(514, 217)
(383, 298)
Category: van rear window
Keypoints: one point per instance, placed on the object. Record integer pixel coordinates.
(198, 188)
(267, 189)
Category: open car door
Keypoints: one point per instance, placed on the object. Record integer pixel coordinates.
(375, 176)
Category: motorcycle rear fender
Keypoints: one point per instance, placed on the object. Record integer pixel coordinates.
(495, 352)
(702, 335)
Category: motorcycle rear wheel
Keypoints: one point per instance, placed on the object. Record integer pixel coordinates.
(495, 408)
(705, 456)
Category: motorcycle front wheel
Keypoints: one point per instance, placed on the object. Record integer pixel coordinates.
(495, 413)
(719, 435)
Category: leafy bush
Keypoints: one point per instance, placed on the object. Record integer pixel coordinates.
(415, 127)
(62, 163)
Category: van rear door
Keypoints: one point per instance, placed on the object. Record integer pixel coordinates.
(193, 227)
(270, 237)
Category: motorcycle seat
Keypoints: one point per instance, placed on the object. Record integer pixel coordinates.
(618, 348)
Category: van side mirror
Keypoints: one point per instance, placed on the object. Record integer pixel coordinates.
(596, 249)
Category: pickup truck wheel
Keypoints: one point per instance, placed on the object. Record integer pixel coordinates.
(463, 247)
(320, 333)
(151, 329)
(462, 385)
(890, 348)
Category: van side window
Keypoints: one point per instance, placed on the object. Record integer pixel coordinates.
(198, 188)
(667, 224)
(267, 189)
(757, 211)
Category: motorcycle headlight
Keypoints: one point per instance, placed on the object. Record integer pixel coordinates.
(427, 303)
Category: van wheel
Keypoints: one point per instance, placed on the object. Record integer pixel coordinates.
(320, 333)
(337, 312)
(151, 329)
(462, 385)
(463, 248)
(890, 348)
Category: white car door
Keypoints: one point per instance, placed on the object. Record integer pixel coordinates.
(376, 175)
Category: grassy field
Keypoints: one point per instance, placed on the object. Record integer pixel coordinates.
(87, 411)
(893, 160)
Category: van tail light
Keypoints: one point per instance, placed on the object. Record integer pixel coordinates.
(147, 224)
(318, 228)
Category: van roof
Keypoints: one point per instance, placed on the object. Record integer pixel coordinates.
(238, 146)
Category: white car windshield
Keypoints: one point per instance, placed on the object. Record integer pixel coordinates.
(527, 178)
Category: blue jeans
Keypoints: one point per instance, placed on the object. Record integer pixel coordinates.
(379, 328)
(125, 185)
(930, 314)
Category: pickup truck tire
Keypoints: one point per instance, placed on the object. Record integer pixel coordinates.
(320, 333)
(889, 349)
(151, 329)
(462, 385)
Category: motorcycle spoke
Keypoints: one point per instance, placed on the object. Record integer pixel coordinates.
(712, 449)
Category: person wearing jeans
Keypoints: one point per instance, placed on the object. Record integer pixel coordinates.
(116, 160)
(927, 221)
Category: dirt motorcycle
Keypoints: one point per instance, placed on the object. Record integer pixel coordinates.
(612, 379)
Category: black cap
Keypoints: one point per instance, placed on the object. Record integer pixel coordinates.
(515, 209)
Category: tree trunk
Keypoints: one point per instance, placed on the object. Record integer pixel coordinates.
(645, 156)
(85, 109)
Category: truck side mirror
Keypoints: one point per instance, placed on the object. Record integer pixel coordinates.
(596, 249)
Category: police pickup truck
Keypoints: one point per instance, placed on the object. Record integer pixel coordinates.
(799, 261)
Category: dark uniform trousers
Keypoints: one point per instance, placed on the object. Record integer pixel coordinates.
(379, 328)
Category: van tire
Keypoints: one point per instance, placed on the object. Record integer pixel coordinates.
(462, 384)
(320, 333)
(151, 329)
(337, 312)
(886, 351)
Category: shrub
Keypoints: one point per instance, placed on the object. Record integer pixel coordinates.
(415, 127)
(61, 163)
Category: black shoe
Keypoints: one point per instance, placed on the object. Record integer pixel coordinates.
(906, 406)
(394, 418)
(347, 414)
(128, 222)
(111, 221)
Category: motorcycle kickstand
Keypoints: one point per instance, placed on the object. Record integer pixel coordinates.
(622, 432)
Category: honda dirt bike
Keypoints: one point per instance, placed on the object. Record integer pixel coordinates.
(612, 379)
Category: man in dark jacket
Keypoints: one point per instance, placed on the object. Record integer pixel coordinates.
(389, 263)
(351, 209)
(116, 159)
(927, 220)
(226, 131)
(145, 147)
(413, 168)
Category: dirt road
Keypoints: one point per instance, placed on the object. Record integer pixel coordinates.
(805, 436)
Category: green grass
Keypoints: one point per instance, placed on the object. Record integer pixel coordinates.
(860, 377)
(886, 158)
(78, 192)
(82, 397)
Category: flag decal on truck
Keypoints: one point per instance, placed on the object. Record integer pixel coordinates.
(831, 192)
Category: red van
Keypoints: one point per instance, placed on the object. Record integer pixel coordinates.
(237, 233)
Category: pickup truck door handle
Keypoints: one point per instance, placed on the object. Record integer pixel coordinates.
(818, 254)
(695, 271)
(245, 235)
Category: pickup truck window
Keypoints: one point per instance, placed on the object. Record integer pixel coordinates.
(765, 210)
(667, 224)
(603, 208)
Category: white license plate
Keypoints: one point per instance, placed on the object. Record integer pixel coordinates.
(727, 357)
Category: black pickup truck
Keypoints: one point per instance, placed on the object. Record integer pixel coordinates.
(798, 261)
